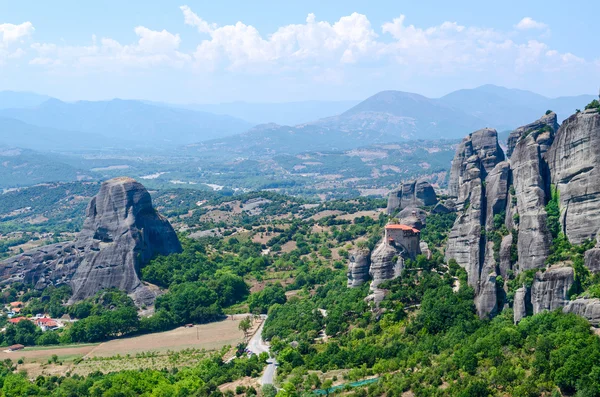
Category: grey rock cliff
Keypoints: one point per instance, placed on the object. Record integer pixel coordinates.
(358, 268)
(550, 289)
(532, 181)
(592, 260)
(386, 264)
(121, 233)
(417, 193)
(522, 296)
(587, 308)
(548, 120)
(574, 160)
(482, 145)
(479, 179)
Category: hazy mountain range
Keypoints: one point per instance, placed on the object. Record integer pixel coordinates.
(38, 122)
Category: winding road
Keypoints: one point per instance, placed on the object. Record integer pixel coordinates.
(256, 345)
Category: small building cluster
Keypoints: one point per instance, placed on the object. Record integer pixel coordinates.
(43, 321)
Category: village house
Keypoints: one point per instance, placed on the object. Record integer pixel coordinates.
(46, 324)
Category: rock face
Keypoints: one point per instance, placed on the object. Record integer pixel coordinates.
(592, 260)
(480, 147)
(358, 269)
(411, 194)
(386, 264)
(520, 307)
(532, 184)
(550, 288)
(541, 155)
(548, 120)
(574, 160)
(121, 233)
(587, 308)
(479, 179)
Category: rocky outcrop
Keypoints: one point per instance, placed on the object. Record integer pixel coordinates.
(532, 183)
(444, 207)
(522, 296)
(413, 217)
(479, 179)
(549, 290)
(587, 308)
(486, 299)
(547, 121)
(358, 268)
(121, 233)
(386, 264)
(592, 260)
(411, 194)
(482, 147)
(574, 160)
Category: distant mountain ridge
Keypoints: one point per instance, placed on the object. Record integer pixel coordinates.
(110, 123)
(394, 116)
(388, 116)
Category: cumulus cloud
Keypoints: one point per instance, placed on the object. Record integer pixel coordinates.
(152, 48)
(323, 50)
(530, 23)
(11, 33)
(343, 41)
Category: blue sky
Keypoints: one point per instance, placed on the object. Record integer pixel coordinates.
(273, 51)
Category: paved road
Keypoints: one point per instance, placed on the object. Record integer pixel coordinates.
(256, 345)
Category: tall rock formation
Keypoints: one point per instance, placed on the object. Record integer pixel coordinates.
(479, 179)
(574, 160)
(531, 178)
(541, 155)
(417, 193)
(121, 233)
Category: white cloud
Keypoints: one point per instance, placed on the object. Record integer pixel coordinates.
(530, 23)
(12, 33)
(321, 51)
(240, 44)
(152, 48)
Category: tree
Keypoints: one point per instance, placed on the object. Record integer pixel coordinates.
(245, 326)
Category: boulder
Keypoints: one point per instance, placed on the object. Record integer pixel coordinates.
(120, 234)
(574, 161)
(424, 247)
(587, 308)
(358, 268)
(549, 290)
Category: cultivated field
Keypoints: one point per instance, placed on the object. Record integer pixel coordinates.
(175, 348)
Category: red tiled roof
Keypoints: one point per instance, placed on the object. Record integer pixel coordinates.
(16, 320)
(43, 320)
(402, 227)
